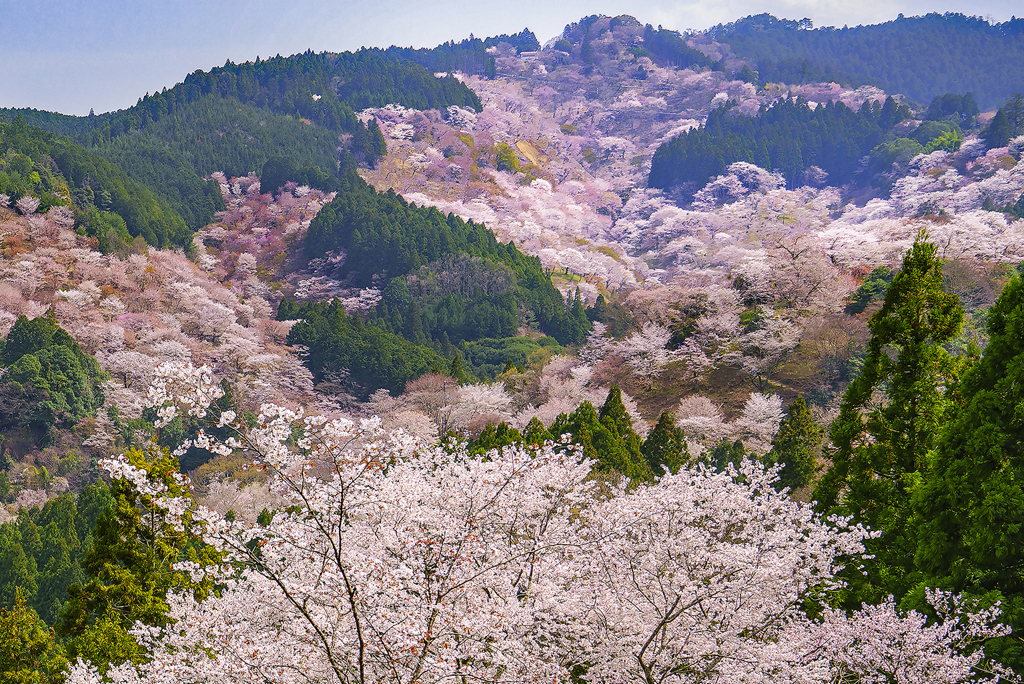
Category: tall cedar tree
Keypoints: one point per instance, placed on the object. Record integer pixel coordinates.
(796, 446)
(971, 505)
(665, 448)
(879, 450)
(606, 436)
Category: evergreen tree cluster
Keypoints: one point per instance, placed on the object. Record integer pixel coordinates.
(41, 552)
(235, 119)
(39, 163)
(345, 350)
(49, 381)
(606, 436)
(936, 53)
(1007, 124)
(787, 137)
(669, 48)
(385, 237)
(468, 56)
(91, 566)
(928, 448)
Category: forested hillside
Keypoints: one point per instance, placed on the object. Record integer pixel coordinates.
(920, 57)
(526, 372)
(48, 170)
(237, 117)
(789, 137)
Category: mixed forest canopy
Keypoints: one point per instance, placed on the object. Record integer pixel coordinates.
(468, 386)
(936, 54)
(447, 282)
(56, 171)
(469, 56)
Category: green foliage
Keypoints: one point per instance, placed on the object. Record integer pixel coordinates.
(880, 449)
(488, 357)
(342, 83)
(898, 151)
(997, 133)
(665, 448)
(669, 48)
(872, 289)
(468, 56)
(788, 137)
(796, 446)
(936, 53)
(607, 437)
(506, 158)
(130, 567)
(384, 236)
(50, 381)
(40, 554)
(949, 142)
(29, 653)
(343, 346)
(492, 437)
(971, 504)
(724, 455)
(86, 178)
(959, 109)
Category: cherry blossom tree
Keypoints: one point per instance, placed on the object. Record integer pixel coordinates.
(762, 414)
(27, 205)
(391, 560)
(645, 351)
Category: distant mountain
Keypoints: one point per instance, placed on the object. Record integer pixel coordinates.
(920, 57)
(237, 117)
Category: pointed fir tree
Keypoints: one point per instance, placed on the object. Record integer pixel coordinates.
(970, 507)
(130, 568)
(665, 448)
(536, 433)
(796, 446)
(879, 450)
(998, 132)
(456, 370)
(614, 411)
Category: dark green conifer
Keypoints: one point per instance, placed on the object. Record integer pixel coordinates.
(879, 449)
(665, 448)
(970, 536)
(796, 446)
(535, 432)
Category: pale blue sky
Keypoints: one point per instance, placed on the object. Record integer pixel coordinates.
(70, 55)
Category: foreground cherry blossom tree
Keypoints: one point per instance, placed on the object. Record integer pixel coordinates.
(397, 561)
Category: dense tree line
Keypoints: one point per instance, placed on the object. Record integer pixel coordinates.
(384, 236)
(237, 117)
(324, 87)
(41, 553)
(936, 53)
(468, 56)
(787, 137)
(669, 48)
(605, 435)
(61, 172)
(83, 569)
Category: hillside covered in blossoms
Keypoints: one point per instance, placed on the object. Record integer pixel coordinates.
(629, 355)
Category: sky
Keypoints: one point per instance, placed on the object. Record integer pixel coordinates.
(71, 56)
